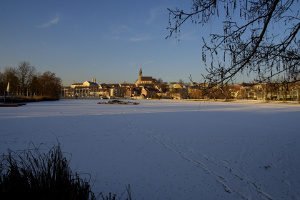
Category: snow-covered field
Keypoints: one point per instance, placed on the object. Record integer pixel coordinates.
(167, 149)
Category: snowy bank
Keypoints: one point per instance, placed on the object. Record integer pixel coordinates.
(169, 150)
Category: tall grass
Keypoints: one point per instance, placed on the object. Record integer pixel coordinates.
(36, 175)
(111, 196)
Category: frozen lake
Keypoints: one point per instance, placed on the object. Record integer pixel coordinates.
(169, 149)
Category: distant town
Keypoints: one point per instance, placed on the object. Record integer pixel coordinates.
(147, 87)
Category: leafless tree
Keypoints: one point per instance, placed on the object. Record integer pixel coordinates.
(2, 84)
(160, 81)
(25, 74)
(24, 80)
(10, 75)
(180, 81)
(259, 36)
(49, 85)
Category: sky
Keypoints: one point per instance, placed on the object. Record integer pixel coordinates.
(109, 40)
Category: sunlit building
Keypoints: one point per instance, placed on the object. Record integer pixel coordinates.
(145, 80)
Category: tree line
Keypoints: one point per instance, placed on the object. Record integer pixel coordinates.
(25, 81)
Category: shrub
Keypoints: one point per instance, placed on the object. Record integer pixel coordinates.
(36, 175)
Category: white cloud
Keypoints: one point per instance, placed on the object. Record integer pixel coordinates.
(115, 37)
(126, 33)
(139, 39)
(148, 62)
(118, 32)
(154, 14)
(52, 22)
(189, 36)
(120, 29)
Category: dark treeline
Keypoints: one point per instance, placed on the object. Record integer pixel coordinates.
(25, 81)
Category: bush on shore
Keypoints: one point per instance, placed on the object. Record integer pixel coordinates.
(24, 99)
(31, 174)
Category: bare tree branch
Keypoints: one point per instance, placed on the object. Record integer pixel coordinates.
(265, 40)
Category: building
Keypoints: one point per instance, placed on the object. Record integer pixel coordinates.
(149, 92)
(144, 80)
(90, 84)
(178, 91)
(85, 89)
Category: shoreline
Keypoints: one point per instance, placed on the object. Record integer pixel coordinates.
(231, 101)
(22, 99)
(245, 101)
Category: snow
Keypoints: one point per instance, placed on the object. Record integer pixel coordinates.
(168, 149)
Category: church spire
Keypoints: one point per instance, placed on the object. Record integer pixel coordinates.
(140, 76)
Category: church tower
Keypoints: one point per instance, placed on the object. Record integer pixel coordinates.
(140, 75)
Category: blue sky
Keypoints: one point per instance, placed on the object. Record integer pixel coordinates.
(106, 39)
